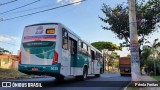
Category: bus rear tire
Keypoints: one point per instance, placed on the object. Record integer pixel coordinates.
(84, 76)
(122, 74)
(97, 75)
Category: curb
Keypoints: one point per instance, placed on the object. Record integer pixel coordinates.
(19, 78)
(125, 88)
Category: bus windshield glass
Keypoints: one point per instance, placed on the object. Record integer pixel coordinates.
(38, 44)
(42, 49)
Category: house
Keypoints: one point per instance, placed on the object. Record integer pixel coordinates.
(9, 61)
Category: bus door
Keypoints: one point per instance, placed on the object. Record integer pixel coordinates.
(73, 54)
(92, 59)
(65, 63)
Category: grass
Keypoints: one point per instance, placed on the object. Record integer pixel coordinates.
(132, 88)
(13, 74)
(156, 77)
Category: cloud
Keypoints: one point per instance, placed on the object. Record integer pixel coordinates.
(69, 1)
(7, 38)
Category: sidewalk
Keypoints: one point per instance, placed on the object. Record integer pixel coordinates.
(144, 77)
(148, 78)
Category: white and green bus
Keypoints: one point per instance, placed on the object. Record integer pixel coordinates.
(52, 49)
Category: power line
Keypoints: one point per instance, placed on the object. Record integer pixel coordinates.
(42, 11)
(44, 6)
(8, 2)
(20, 7)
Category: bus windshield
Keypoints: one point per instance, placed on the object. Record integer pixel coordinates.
(42, 49)
(38, 44)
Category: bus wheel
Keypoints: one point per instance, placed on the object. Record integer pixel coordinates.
(97, 75)
(101, 71)
(85, 73)
(59, 78)
(122, 74)
(84, 76)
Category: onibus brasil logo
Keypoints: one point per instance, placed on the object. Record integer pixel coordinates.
(20, 84)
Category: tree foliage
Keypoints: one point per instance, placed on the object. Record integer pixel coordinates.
(148, 14)
(106, 45)
(150, 51)
(111, 58)
(3, 51)
(154, 47)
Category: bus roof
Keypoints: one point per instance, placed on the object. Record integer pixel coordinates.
(67, 30)
(40, 24)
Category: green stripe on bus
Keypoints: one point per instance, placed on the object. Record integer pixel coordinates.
(79, 60)
(41, 68)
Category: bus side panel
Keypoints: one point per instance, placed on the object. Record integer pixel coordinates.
(90, 66)
(96, 67)
(81, 61)
(65, 63)
(78, 71)
(58, 47)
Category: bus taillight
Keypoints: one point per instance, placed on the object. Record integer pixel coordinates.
(19, 58)
(55, 59)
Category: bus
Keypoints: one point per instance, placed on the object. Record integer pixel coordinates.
(54, 50)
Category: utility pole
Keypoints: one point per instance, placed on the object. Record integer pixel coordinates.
(134, 45)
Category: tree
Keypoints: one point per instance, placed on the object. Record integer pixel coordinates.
(148, 15)
(116, 63)
(110, 58)
(3, 51)
(146, 52)
(105, 45)
(151, 51)
(110, 47)
(154, 48)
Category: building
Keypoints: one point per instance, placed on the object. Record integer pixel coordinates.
(9, 61)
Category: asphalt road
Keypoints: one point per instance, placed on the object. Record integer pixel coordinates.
(107, 81)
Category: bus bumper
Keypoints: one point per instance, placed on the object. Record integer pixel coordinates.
(50, 70)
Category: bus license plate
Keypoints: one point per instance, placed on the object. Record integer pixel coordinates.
(34, 69)
(126, 69)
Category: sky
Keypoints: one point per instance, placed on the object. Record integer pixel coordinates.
(81, 18)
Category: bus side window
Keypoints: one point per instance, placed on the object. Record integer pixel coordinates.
(98, 56)
(64, 39)
(79, 46)
(92, 55)
(84, 49)
(73, 46)
(89, 51)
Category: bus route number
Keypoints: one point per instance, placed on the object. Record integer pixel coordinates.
(54, 68)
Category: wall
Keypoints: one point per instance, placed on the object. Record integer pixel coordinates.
(8, 61)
